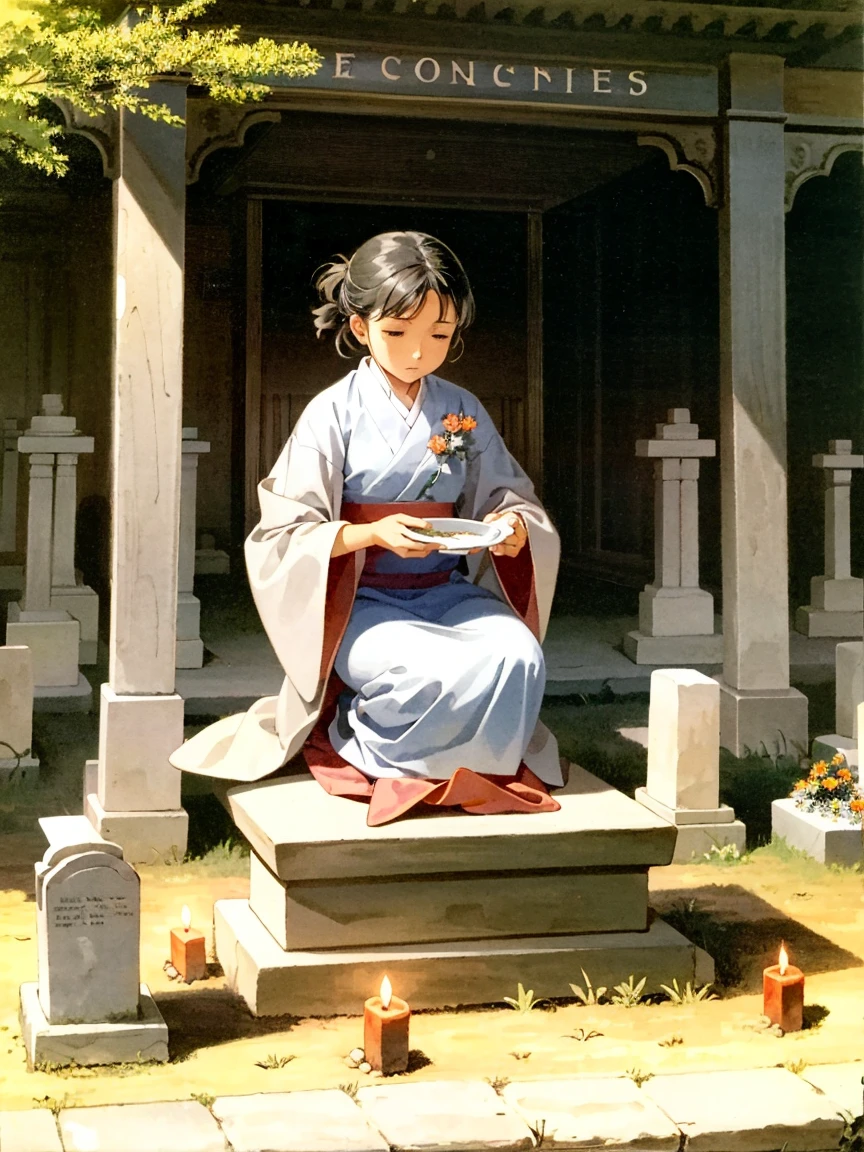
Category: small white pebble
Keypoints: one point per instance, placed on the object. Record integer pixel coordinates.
(777, 1031)
(351, 1063)
(365, 1067)
(356, 1054)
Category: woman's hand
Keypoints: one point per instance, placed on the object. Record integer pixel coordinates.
(514, 544)
(389, 533)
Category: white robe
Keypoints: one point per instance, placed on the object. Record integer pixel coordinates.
(422, 701)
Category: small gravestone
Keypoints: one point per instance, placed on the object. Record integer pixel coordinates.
(16, 715)
(88, 1006)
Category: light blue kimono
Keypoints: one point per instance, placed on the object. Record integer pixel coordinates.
(443, 677)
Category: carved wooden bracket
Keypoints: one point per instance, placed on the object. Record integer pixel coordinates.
(210, 127)
(811, 154)
(690, 149)
(103, 131)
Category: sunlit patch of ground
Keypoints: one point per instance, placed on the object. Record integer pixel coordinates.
(741, 911)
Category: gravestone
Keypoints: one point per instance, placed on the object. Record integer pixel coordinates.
(88, 1006)
(683, 784)
(16, 715)
(849, 694)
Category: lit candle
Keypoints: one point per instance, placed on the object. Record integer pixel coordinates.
(783, 986)
(188, 952)
(385, 1031)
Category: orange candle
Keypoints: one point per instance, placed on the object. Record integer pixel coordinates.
(385, 1031)
(188, 950)
(783, 986)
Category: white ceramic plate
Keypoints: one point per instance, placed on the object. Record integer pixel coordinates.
(472, 534)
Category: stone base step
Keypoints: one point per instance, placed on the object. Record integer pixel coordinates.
(336, 982)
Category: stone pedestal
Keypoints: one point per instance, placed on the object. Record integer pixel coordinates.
(676, 616)
(52, 637)
(453, 908)
(88, 1005)
(772, 721)
(756, 701)
(210, 560)
(190, 649)
(683, 784)
(137, 795)
(837, 598)
(828, 841)
(849, 664)
(16, 716)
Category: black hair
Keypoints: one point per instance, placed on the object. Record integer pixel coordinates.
(390, 275)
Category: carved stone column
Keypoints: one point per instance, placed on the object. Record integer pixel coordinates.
(837, 598)
(676, 616)
(133, 796)
(757, 705)
(190, 650)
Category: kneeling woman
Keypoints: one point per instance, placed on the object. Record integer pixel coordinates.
(438, 680)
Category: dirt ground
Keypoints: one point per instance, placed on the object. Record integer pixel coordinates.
(740, 911)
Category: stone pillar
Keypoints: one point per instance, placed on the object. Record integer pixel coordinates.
(849, 665)
(16, 715)
(837, 598)
(68, 593)
(757, 706)
(48, 629)
(11, 575)
(136, 801)
(683, 783)
(676, 617)
(190, 650)
(210, 560)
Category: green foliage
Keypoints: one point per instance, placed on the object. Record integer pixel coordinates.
(204, 1098)
(588, 995)
(796, 1067)
(725, 855)
(350, 1089)
(629, 994)
(852, 1139)
(498, 1083)
(524, 1001)
(59, 50)
(749, 784)
(583, 1036)
(54, 1105)
(274, 1061)
(689, 995)
(538, 1131)
(672, 1041)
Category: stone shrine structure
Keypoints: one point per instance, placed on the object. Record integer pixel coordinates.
(45, 624)
(210, 560)
(11, 575)
(453, 908)
(849, 664)
(837, 597)
(190, 649)
(17, 761)
(683, 784)
(676, 616)
(88, 1005)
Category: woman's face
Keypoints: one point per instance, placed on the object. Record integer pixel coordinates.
(408, 348)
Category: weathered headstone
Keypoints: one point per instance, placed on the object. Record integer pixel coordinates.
(88, 1005)
(837, 597)
(676, 616)
(16, 715)
(11, 574)
(683, 784)
(210, 560)
(849, 694)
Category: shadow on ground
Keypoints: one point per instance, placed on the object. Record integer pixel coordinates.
(743, 933)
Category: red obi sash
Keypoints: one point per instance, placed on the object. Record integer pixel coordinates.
(368, 514)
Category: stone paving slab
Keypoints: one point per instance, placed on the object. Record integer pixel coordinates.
(444, 1116)
(594, 1112)
(179, 1126)
(841, 1083)
(34, 1131)
(758, 1110)
(326, 1120)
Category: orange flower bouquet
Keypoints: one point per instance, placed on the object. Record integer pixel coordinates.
(830, 790)
(456, 441)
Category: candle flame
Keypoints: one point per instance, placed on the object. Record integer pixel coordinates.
(386, 992)
(186, 917)
(784, 960)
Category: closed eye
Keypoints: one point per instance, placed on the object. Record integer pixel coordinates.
(441, 336)
(392, 332)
